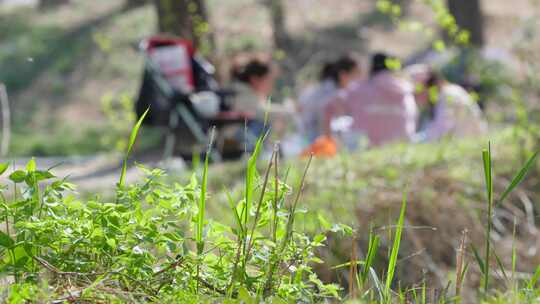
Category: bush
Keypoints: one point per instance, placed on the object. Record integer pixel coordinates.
(152, 242)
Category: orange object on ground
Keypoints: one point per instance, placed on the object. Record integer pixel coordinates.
(324, 146)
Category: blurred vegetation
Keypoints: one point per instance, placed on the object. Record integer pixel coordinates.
(82, 57)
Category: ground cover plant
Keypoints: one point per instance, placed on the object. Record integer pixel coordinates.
(154, 242)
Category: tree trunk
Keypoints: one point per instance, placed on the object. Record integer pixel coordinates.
(46, 4)
(277, 14)
(187, 19)
(468, 14)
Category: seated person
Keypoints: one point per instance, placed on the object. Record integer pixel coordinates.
(451, 111)
(334, 75)
(253, 83)
(382, 107)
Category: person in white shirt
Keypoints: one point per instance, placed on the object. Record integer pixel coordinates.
(451, 110)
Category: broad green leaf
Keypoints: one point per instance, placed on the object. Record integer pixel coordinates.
(19, 204)
(519, 177)
(31, 165)
(5, 240)
(43, 175)
(319, 238)
(324, 223)
(3, 167)
(111, 243)
(18, 176)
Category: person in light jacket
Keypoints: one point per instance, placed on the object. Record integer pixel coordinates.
(335, 75)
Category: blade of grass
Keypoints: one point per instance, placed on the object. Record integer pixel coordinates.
(488, 172)
(235, 212)
(478, 259)
(251, 172)
(460, 257)
(275, 201)
(199, 239)
(259, 205)
(424, 294)
(132, 138)
(534, 279)
(373, 247)
(518, 178)
(395, 248)
(377, 283)
(514, 252)
(289, 226)
(348, 264)
(353, 269)
(501, 266)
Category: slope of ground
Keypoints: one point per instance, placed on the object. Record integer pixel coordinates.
(445, 190)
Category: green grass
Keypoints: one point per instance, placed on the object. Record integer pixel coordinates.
(395, 250)
(447, 193)
(157, 233)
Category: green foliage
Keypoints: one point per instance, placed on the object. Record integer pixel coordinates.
(142, 246)
(131, 142)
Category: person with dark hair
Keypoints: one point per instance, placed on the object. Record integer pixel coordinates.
(448, 108)
(253, 83)
(379, 63)
(382, 107)
(334, 75)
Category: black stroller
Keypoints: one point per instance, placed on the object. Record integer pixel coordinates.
(185, 99)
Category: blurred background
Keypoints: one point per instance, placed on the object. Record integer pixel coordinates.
(72, 72)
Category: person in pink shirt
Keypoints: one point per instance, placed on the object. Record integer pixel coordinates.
(382, 107)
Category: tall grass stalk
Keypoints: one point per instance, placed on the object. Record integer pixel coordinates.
(259, 205)
(251, 174)
(373, 247)
(488, 174)
(395, 250)
(514, 258)
(275, 201)
(132, 138)
(199, 238)
(273, 263)
(518, 178)
(460, 262)
(353, 270)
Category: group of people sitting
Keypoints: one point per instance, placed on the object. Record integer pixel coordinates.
(414, 104)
